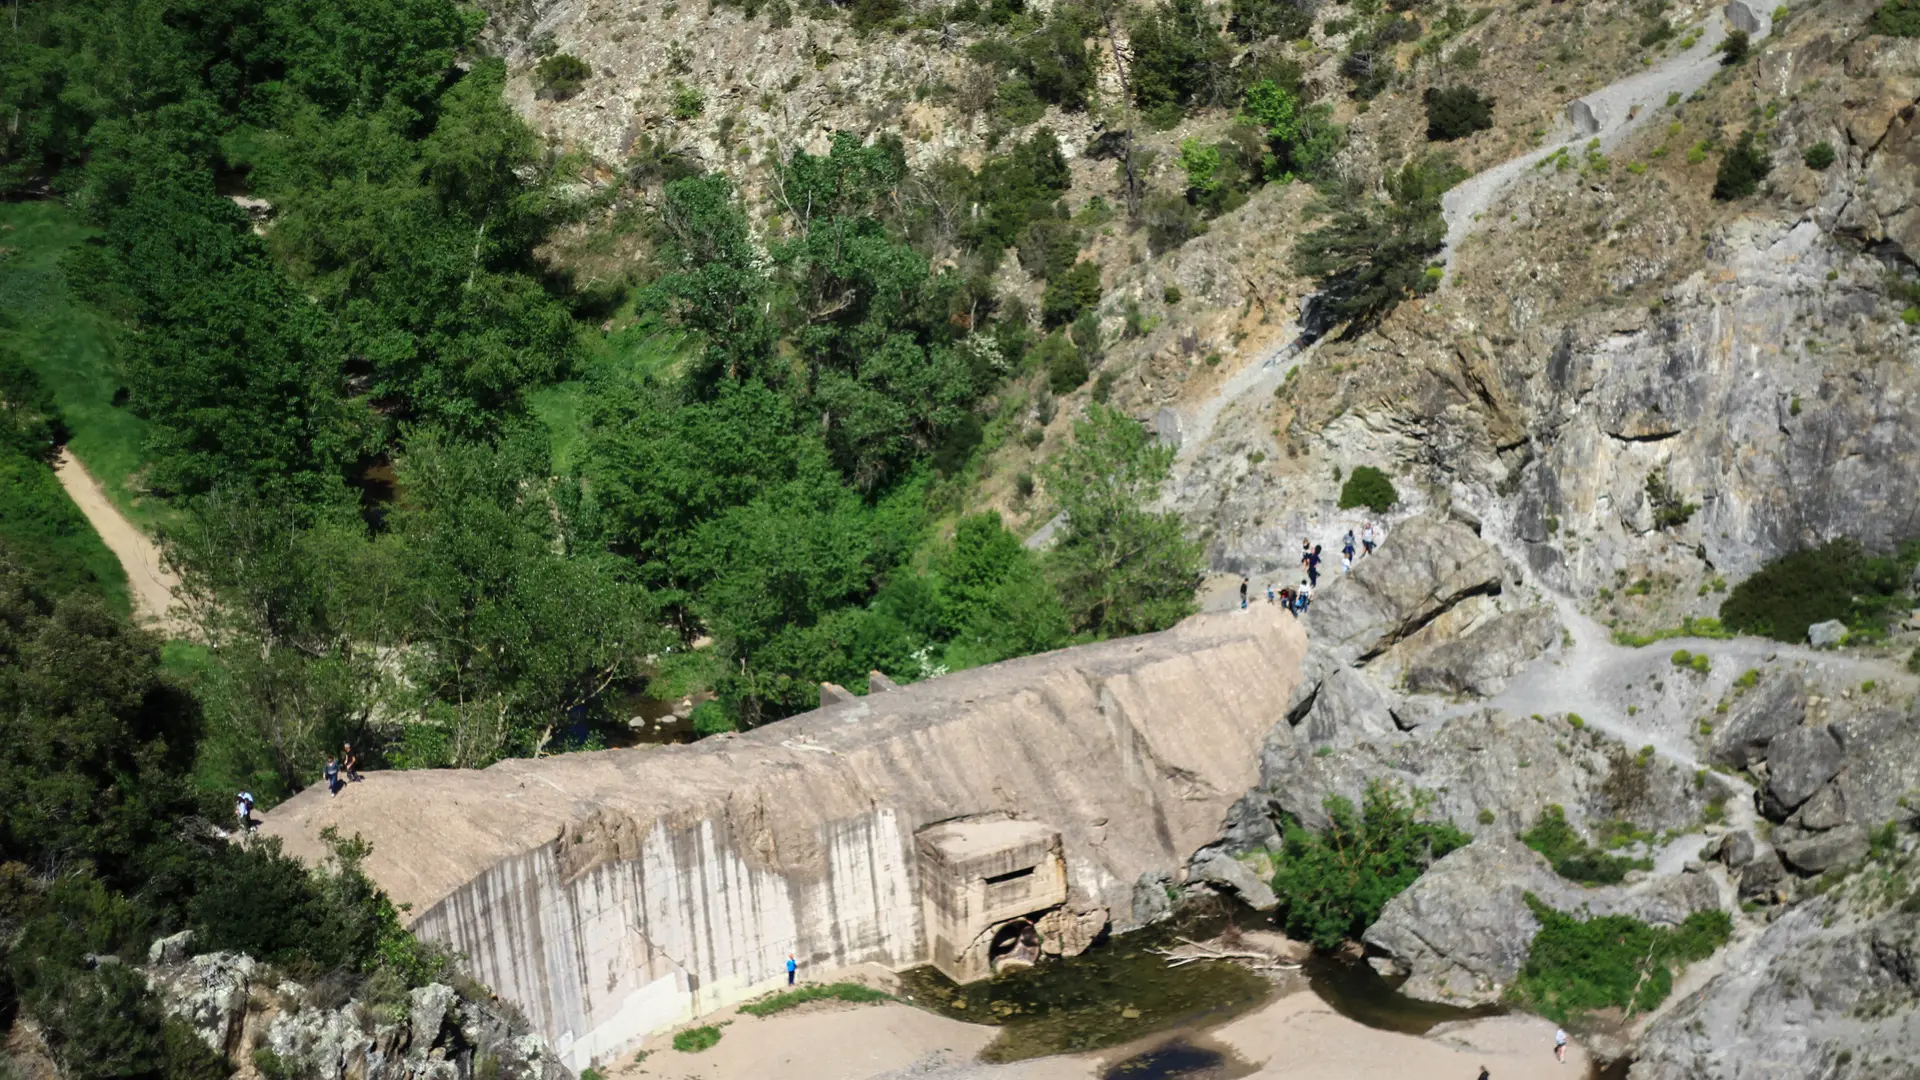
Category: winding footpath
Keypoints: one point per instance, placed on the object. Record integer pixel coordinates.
(150, 582)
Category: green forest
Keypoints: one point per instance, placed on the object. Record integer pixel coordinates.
(423, 495)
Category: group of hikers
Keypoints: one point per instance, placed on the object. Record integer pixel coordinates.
(1297, 598)
(339, 771)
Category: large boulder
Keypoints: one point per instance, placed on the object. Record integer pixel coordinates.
(1230, 874)
(1776, 705)
(1481, 661)
(1826, 635)
(1347, 707)
(1427, 565)
(1798, 762)
(209, 992)
(1882, 765)
(1464, 928)
(1823, 851)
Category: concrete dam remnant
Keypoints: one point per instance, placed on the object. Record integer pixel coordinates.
(999, 812)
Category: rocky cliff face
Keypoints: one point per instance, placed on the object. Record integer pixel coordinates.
(273, 1028)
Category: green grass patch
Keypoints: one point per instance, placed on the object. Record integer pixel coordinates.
(787, 999)
(695, 1039)
(44, 533)
(1573, 858)
(69, 345)
(634, 353)
(1689, 627)
(1613, 961)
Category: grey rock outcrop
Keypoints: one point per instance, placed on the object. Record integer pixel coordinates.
(1347, 707)
(1464, 928)
(1825, 635)
(1481, 661)
(1776, 704)
(1823, 851)
(1225, 871)
(1427, 565)
(1798, 762)
(1834, 980)
(226, 1000)
(1511, 766)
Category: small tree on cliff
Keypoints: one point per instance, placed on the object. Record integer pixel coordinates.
(1120, 567)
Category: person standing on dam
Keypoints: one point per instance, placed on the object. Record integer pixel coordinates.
(792, 967)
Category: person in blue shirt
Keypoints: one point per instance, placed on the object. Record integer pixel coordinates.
(792, 966)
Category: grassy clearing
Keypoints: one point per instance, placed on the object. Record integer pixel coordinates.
(633, 353)
(70, 346)
(695, 1039)
(787, 999)
(45, 533)
(1689, 627)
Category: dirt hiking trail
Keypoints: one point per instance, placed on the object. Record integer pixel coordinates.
(149, 580)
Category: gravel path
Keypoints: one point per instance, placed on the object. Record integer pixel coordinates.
(148, 578)
(1608, 114)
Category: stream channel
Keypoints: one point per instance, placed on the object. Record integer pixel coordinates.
(1121, 991)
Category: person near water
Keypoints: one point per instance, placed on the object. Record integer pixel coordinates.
(792, 967)
(333, 776)
(1313, 565)
(1560, 1045)
(243, 810)
(1367, 538)
(1243, 594)
(349, 762)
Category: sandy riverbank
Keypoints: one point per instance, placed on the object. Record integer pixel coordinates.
(1297, 1037)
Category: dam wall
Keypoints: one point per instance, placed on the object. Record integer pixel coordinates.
(615, 893)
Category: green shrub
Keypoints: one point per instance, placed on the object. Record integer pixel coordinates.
(1735, 48)
(1573, 858)
(711, 718)
(1896, 18)
(1332, 884)
(1066, 368)
(1819, 156)
(688, 102)
(1368, 487)
(695, 1039)
(1838, 581)
(1577, 966)
(1670, 508)
(787, 999)
(1456, 112)
(1070, 294)
(1741, 170)
(561, 75)
(1487, 816)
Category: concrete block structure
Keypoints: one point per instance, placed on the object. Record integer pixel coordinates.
(983, 882)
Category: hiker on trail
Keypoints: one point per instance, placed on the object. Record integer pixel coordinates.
(792, 966)
(243, 810)
(1367, 538)
(333, 777)
(1269, 592)
(1313, 565)
(1346, 562)
(1306, 550)
(349, 762)
(1484, 1075)
(1560, 1045)
(1286, 600)
(1346, 544)
(1243, 594)
(1304, 595)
